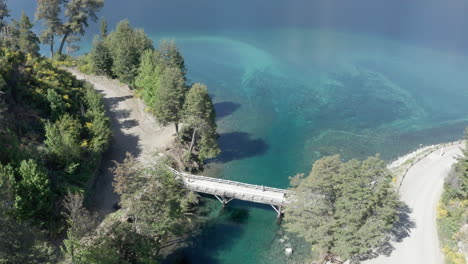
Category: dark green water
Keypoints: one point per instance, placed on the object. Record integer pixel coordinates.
(294, 81)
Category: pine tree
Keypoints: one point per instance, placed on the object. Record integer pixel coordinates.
(49, 11)
(78, 14)
(126, 45)
(199, 116)
(27, 41)
(170, 97)
(148, 79)
(101, 58)
(343, 209)
(167, 55)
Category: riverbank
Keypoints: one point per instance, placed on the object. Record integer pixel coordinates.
(134, 131)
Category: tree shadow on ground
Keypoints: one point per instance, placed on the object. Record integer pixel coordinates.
(224, 109)
(239, 145)
(104, 199)
(401, 230)
(127, 124)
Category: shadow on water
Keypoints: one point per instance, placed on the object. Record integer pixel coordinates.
(401, 230)
(216, 235)
(224, 109)
(239, 145)
(105, 199)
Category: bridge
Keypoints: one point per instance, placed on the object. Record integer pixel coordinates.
(226, 191)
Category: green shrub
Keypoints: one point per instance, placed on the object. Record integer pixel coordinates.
(33, 194)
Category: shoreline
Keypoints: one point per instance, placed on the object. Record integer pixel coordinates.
(404, 163)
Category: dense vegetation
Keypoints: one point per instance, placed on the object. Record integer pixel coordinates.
(53, 131)
(155, 211)
(344, 209)
(159, 78)
(452, 211)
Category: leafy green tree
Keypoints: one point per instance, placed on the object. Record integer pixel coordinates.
(344, 209)
(103, 28)
(78, 14)
(127, 45)
(49, 11)
(169, 100)
(33, 194)
(101, 58)
(199, 116)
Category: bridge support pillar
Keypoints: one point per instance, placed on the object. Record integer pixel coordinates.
(223, 200)
(279, 213)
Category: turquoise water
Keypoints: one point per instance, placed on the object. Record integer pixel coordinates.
(297, 80)
(289, 96)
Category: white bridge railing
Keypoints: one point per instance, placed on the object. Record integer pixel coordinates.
(211, 179)
(226, 190)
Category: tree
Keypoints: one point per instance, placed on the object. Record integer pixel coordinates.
(148, 79)
(78, 14)
(4, 13)
(71, 44)
(33, 194)
(81, 222)
(344, 209)
(57, 106)
(101, 58)
(28, 41)
(126, 45)
(19, 242)
(199, 116)
(49, 11)
(169, 101)
(157, 208)
(167, 55)
(62, 142)
(103, 28)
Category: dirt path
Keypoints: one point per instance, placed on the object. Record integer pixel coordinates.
(421, 191)
(134, 131)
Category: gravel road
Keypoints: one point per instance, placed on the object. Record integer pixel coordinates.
(421, 191)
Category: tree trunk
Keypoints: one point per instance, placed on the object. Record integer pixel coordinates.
(193, 140)
(63, 43)
(52, 47)
(176, 127)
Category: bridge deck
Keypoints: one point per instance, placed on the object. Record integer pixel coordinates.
(234, 190)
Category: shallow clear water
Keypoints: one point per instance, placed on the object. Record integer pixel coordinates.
(294, 81)
(286, 97)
